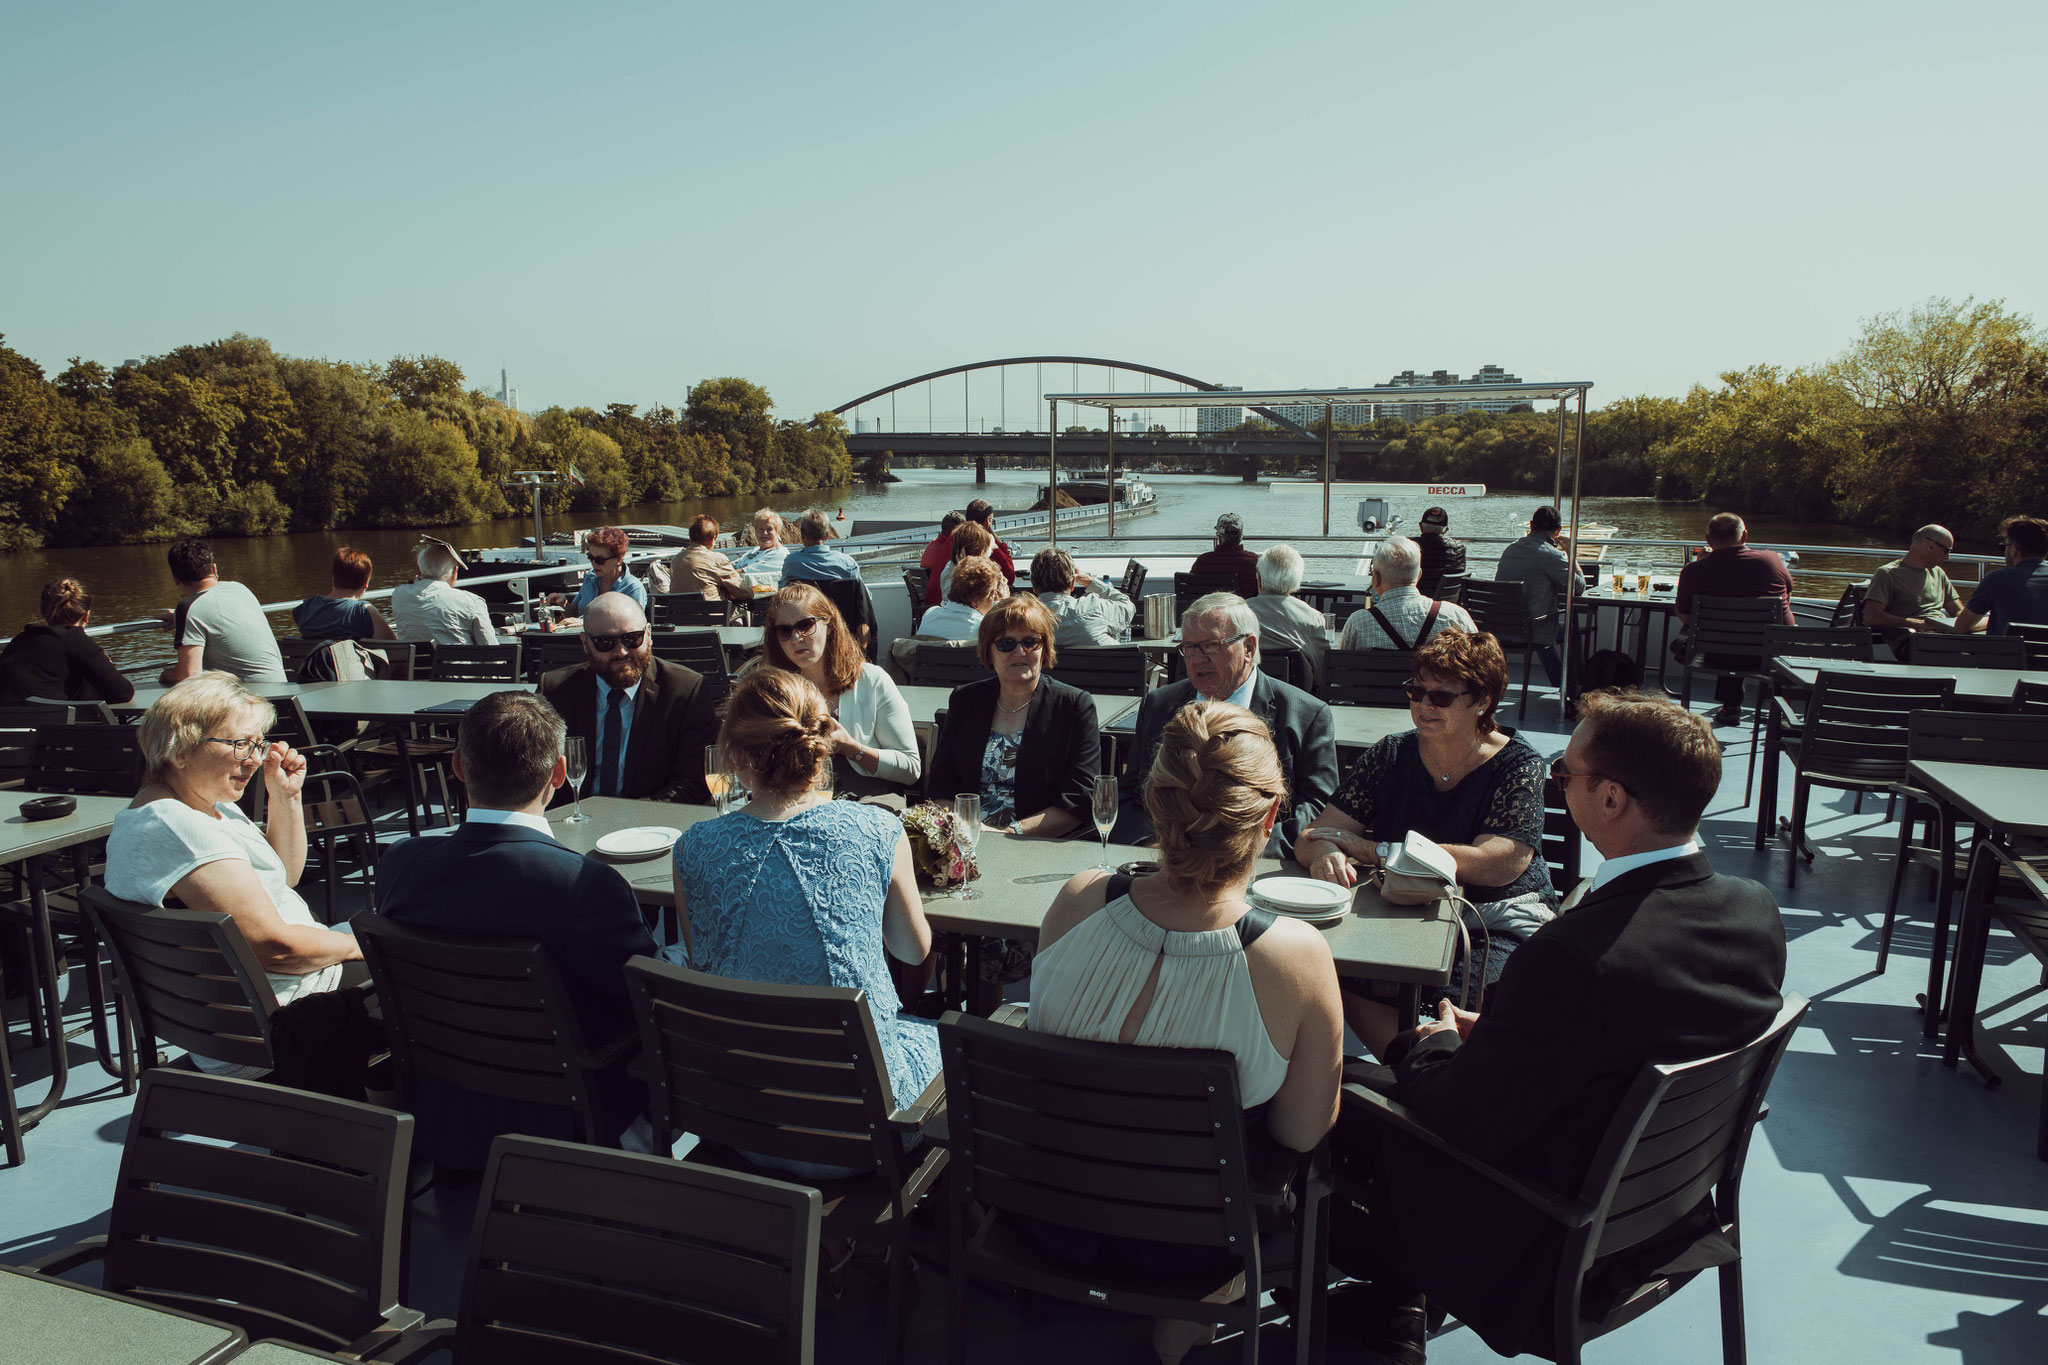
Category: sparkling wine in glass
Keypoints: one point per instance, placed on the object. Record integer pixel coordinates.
(579, 766)
(717, 781)
(966, 833)
(1105, 814)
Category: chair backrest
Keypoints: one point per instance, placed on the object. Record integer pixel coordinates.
(1683, 1130)
(1498, 609)
(1188, 587)
(1856, 727)
(1109, 670)
(403, 656)
(545, 652)
(1132, 585)
(1849, 607)
(1561, 847)
(18, 726)
(2009, 740)
(1817, 642)
(947, 665)
(698, 650)
(296, 649)
(679, 610)
(477, 663)
(1732, 628)
(850, 596)
(1967, 651)
(1342, 606)
(793, 1072)
(274, 1210)
(85, 760)
(1366, 677)
(2029, 698)
(1284, 663)
(84, 710)
(1109, 1138)
(579, 1254)
(487, 1015)
(2035, 637)
(190, 978)
(917, 583)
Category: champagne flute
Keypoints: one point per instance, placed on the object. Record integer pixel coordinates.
(966, 833)
(1105, 814)
(716, 780)
(577, 752)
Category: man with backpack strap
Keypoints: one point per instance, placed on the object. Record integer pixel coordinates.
(1400, 617)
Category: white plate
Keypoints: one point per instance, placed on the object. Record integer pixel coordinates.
(1302, 895)
(643, 841)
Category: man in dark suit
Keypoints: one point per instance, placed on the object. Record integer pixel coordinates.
(1220, 641)
(1656, 958)
(665, 717)
(501, 874)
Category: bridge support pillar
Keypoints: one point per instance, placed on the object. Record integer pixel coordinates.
(980, 469)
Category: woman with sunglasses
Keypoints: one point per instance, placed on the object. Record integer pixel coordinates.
(1459, 779)
(606, 547)
(874, 746)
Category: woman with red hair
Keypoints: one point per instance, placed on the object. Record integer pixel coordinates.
(341, 613)
(606, 546)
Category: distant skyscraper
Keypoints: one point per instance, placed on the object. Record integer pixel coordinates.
(1220, 419)
(1416, 411)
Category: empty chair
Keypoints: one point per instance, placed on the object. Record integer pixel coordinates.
(1501, 610)
(1818, 642)
(1283, 663)
(1366, 677)
(947, 665)
(1108, 670)
(2029, 697)
(2035, 636)
(1854, 739)
(917, 581)
(1188, 587)
(18, 725)
(855, 606)
(543, 654)
(1560, 851)
(699, 651)
(1849, 607)
(1132, 584)
(85, 760)
(1967, 651)
(274, 1210)
(686, 610)
(477, 663)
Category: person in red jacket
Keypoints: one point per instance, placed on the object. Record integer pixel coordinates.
(939, 553)
(982, 511)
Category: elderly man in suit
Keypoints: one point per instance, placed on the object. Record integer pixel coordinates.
(501, 874)
(644, 721)
(1656, 958)
(1219, 638)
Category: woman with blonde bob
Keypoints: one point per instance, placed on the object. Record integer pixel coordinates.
(871, 726)
(203, 743)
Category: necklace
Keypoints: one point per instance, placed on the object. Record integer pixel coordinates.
(1013, 710)
(1464, 758)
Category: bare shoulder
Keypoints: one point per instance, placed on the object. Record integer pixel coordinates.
(1082, 896)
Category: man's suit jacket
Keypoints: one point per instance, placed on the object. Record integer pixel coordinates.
(512, 882)
(1059, 750)
(1668, 962)
(1303, 731)
(674, 718)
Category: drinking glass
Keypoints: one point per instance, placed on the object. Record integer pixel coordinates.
(578, 755)
(1105, 815)
(717, 780)
(966, 833)
(1642, 578)
(1618, 571)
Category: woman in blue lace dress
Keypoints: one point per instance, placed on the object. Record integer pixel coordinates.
(796, 889)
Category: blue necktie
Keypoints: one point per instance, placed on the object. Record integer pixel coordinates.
(608, 751)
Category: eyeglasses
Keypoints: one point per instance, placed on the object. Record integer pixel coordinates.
(1435, 696)
(1030, 644)
(1211, 649)
(244, 749)
(1563, 776)
(801, 626)
(605, 644)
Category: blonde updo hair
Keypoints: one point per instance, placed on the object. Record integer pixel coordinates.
(1213, 779)
(777, 721)
(181, 719)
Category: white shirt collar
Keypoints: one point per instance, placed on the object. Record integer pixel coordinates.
(1629, 862)
(485, 815)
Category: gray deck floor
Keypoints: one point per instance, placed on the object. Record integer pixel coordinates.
(1894, 1209)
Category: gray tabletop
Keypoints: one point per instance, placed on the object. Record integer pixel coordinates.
(1358, 727)
(52, 1322)
(20, 838)
(1664, 599)
(376, 699)
(1972, 684)
(2009, 800)
(1408, 945)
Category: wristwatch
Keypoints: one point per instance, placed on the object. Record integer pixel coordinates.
(1383, 852)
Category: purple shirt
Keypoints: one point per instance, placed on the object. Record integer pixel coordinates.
(1736, 571)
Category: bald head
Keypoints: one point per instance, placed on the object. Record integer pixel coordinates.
(611, 612)
(1931, 546)
(613, 619)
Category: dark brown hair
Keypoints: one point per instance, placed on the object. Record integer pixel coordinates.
(971, 538)
(973, 579)
(779, 723)
(351, 571)
(65, 602)
(1023, 613)
(508, 744)
(1666, 756)
(704, 530)
(1474, 660)
(2028, 535)
(843, 657)
(190, 560)
(981, 510)
(1052, 570)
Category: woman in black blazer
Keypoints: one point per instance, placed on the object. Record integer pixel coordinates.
(1028, 744)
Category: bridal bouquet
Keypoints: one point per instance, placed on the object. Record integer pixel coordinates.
(934, 849)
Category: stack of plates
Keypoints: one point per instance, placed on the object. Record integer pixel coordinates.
(642, 841)
(1303, 898)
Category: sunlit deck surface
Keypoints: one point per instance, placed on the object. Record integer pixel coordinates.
(1893, 1209)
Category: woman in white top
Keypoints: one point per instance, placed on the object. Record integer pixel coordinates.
(872, 732)
(184, 836)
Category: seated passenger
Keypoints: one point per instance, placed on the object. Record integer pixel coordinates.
(341, 613)
(970, 540)
(1229, 556)
(817, 561)
(218, 625)
(1400, 617)
(766, 558)
(644, 722)
(55, 658)
(874, 745)
(2019, 591)
(431, 608)
(705, 571)
(1285, 621)
(1097, 618)
(605, 548)
(1459, 779)
(976, 586)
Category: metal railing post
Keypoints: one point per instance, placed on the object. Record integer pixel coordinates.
(1329, 445)
(1052, 474)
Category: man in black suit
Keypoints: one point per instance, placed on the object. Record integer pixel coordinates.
(1656, 958)
(665, 715)
(501, 874)
(1220, 641)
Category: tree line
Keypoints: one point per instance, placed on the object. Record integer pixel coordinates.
(230, 438)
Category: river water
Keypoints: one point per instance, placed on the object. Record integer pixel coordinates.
(132, 581)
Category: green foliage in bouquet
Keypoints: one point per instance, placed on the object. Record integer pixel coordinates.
(933, 848)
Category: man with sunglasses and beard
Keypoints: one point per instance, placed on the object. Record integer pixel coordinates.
(644, 722)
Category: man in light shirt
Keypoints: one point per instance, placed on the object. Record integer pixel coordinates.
(432, 608)
(1400, 617)
(1097, 618)
(217, 625)
(1285, 621)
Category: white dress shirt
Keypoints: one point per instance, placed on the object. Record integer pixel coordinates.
(1629, 862)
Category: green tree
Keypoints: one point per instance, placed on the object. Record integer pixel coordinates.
(36, 452)
(735, 411)
(1765, 439)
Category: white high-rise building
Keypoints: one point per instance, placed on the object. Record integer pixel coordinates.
(1415, 411)
(1220, 419)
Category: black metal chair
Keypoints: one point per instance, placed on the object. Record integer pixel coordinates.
(917, 586)
(698, 650)
(544, 653)
(189, 979)
(1849, 607)
(1778, 713)
(1107, 670)
(1132, 584)
(856, 608)
(1726, 636)
(1561, 848)
(84, 710)
(686, 611)
(2034, 636)
(794, 1073)
(1500, 610)
(18, 726)
(1366, 677)
(1967, 651)
(1681, 1134)
(296, 649)
(946, 665)
(1284, 663)
(1129, 1142)
(85, 760)
(1853, 738)
(1190, 587)
(277, 1211)
(2029, 698)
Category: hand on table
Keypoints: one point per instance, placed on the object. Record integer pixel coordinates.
(1334, 866)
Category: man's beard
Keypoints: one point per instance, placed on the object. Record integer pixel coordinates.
(625, 671)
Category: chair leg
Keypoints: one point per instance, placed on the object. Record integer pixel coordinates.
(1856, 807)
(1891, 905)
(1756, 736)
(1734, 1343)
(899, 1271)
(1800, 792)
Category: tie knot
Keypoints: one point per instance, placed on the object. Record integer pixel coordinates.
(616, 700)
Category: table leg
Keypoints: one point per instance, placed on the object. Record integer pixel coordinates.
(46, 961)
(1937, 948)
(10, 1118)
(1408, 1004)
(1972, 934)
(1767, 791)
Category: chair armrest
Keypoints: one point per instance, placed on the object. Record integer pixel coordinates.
(1572, 1213)
(398, 1321)
(914, 1116)
(606, 1054)
(67, 1258)
(417, 1344)
(1789, 716)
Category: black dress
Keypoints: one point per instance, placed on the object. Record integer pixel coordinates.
(59, 661)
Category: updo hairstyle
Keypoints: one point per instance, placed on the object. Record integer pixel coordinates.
(1213, 779)
(777, 722)
(65, 602)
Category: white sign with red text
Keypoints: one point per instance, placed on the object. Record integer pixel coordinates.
(1387, 490)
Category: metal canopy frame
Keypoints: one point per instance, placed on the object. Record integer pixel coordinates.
(1561, 392)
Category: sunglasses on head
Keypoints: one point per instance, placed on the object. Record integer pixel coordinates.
(605, 644)
(801, 626)
(1435, 696)
(1030, 643)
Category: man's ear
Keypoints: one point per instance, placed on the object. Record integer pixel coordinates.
(558, 776)
(455, 766)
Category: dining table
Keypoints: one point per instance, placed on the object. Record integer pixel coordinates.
(377, 699)
(49, 1321)
(1587, 604)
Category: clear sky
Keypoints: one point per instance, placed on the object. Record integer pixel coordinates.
(615, 200)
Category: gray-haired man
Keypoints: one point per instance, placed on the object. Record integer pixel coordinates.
(1285, 621)
(1400, 617)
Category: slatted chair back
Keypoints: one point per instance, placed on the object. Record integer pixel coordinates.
(1107, 670)
(1732, 630)
(699, 651)
(189, 977)
(686, 611)
(1857, 725)
(296, 650)
(422, 657)
(2010, 740)
(581, 1255)
(1283, 663)
(18, 725)
(1342, 606)
(84, 760)
(792, 1072)
(402, 658)
(544, 653)
(856, 608)
(2035, 636)
(487, 1015)
(1366, 677)
(1132, 584)
(277, 1211)
(1500, 610)
(1561, 848)
(1190, 587)
(1967, 651)
(917, 585)
(1817, 642)
(477, 663)
(2029, 698)
(946, 666)
(1849, 607)
(84, 710)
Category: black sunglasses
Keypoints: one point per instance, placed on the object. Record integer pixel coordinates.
(1436, 696)
(1563, 776)
(605, 644)
(801, 626)
(1012, 642)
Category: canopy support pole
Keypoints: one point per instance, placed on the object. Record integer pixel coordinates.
(1329, 442)
(1571, 580)
(1112, 471)
(1557, 487)
(1052, 482)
